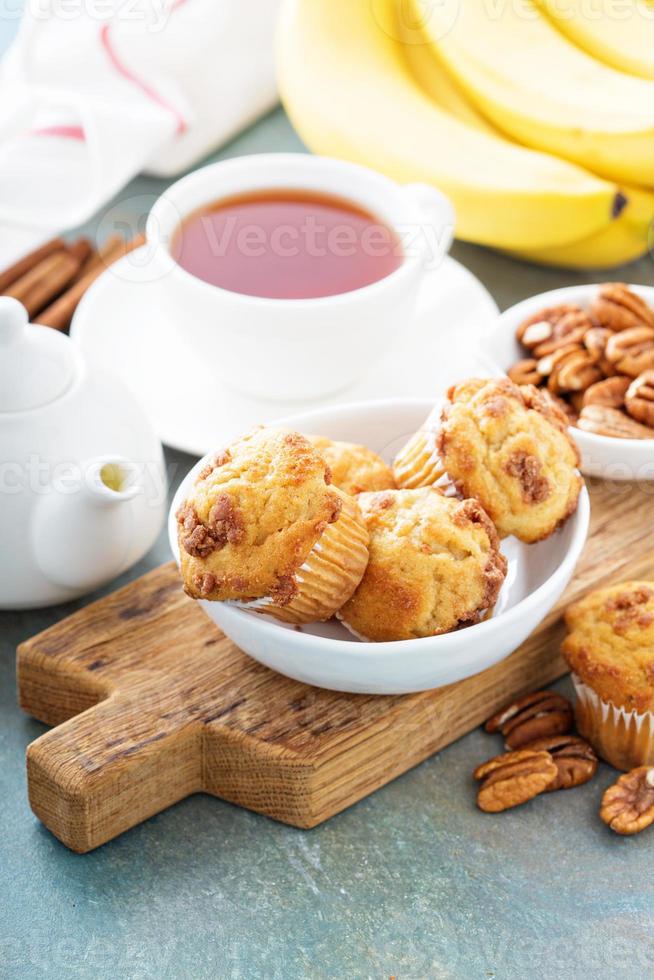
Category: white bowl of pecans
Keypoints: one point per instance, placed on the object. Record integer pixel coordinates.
(592, 347)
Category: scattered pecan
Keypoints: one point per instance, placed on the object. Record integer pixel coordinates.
(639, 398)
(605, 421)
(525, 372)
(618, 308)
(610, 392)
(513, 778)
(628, 805)
(632, 351)
(532, 716)
(553, 327)
(575, 759)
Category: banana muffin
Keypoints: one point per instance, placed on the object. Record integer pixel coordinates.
(263, 526)
(508, 446)
(435, 565)
(355, 469)
(610, 649)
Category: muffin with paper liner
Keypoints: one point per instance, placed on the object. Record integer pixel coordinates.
(418, 463)
(435, 566)
(610, 650)
(355, 469)
(264, 527)
(506, 446)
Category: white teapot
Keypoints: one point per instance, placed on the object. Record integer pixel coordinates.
(82, 477)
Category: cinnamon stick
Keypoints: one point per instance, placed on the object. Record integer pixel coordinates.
(38, 287)
(59, 314)
(20, 268)
(102, 255)
(81, 249)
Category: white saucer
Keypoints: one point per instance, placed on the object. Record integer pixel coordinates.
(122, 323)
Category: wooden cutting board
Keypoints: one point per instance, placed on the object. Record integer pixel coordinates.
(151, 702)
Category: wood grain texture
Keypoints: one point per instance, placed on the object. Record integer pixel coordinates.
(151, 702)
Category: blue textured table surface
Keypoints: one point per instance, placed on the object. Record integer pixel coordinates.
(413, 882)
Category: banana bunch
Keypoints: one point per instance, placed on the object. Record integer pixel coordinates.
(534, 118)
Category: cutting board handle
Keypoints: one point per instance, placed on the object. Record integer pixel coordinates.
(113, 766)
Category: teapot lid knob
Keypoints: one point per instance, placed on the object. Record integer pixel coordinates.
(37, 364)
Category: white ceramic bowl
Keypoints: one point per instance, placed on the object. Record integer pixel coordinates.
(609, 458)
(326, 655)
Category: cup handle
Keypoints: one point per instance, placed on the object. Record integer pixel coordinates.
(438, 211)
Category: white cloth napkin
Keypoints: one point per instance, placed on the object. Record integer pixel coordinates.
(94, 91)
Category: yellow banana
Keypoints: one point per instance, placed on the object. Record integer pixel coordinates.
(626, 240)
(537, 87)
(348, 91)
(619, 34)
(623, 240)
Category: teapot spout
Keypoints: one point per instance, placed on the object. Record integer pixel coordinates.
(111, 481)
(82, 535)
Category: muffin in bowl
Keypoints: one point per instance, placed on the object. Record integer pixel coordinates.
(435, 565)
(263, 526)
(610, 650)
(505, 445)
(355, 469)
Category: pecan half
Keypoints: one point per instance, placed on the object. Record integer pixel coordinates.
(575, 759)
(546, 365)
(576, 371)
(595, 341)
(639, 398)
(609, 392)
(532, 716)
(618, 308)
(605, 421)
(632, 351)
(628, 805)
(513, 778)
(525, 372)
(553, 327)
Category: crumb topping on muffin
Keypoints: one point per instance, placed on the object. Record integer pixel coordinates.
(435, 565)
(610, 645)
(355, 469)
(253, 516)
(508, 446)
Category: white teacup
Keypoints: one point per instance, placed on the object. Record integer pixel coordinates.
(299, 348)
